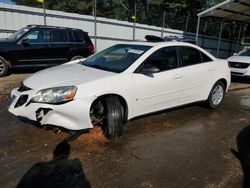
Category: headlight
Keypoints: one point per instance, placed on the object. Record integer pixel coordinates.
(55, 95)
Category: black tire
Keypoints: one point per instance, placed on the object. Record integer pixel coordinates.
(77, 57)
(4, 68)
(114, 117)
(216, 95)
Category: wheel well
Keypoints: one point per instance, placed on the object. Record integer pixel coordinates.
(7, 62)
(122, 100)
(223, 80)
(78, 53)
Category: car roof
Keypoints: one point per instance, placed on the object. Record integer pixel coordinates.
(163, 43)
(169, 43)
(51, 27)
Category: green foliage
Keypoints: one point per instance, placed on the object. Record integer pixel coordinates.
(215, 2)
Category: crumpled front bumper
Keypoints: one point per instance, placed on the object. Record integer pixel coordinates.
(72, 115)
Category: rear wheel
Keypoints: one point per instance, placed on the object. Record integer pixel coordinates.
(216, 95)
(4, 68)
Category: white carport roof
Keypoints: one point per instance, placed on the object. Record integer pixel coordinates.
(238, 10)
(235, 10)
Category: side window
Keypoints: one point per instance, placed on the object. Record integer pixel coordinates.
(205, 58)
(190, 56)
(79, 37)
(164, 59)
(38, 36)
(59, 35)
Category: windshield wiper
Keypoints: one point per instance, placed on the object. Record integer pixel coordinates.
(100, 67)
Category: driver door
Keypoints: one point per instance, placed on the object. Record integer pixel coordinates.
(160, 89)
(35, 50)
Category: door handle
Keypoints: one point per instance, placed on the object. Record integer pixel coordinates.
(178, 76)
(211, 69)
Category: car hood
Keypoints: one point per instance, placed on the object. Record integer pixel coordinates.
(65, 75)
(5, 41)
(244, 59)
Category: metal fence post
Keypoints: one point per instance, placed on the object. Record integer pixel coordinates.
(238, 39)
(44, 13)
(218, 47)
(134, 23)
(95, 26)
(163, 23)
(197, 30)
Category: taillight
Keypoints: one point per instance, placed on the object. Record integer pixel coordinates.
(91, 48)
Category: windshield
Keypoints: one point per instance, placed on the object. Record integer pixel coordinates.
(116, 58)
(244, 53)
(18, 34)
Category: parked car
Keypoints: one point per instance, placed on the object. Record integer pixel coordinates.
(240, 63)
(43, 46)
(119, 84)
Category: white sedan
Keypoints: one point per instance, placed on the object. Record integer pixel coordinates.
(120, 83)
(240, 63)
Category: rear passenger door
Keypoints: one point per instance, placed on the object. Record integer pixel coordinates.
(59, 45)
(195, 71)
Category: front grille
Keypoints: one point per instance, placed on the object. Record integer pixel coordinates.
(23, 88)
(239, 65)
(21, 101)
(236, 73)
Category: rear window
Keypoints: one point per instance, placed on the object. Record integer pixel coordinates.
(78, 36)
(190, 56)
(205, 58)
(59, 35)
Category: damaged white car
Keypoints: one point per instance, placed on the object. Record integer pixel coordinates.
(120, 83)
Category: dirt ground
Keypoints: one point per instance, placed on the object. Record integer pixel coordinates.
(185, 147)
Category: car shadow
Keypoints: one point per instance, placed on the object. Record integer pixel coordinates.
(58, 173)
(242, 80)
(243, 154)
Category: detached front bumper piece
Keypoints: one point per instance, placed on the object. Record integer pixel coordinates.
(72, 115)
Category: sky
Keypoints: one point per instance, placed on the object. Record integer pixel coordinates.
(6, 1)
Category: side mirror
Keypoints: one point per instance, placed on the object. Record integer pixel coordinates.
(25, 42)
(149, 69)
(235, 54)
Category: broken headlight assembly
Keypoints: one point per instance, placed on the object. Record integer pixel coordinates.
(55, 95)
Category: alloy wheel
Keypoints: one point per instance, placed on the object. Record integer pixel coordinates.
(217, 95)
(2, 66)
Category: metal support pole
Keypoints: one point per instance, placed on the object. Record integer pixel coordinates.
(218, 47)
(134, 23)
(238, 39)
(95, 25)
(44, 13)
(187, 20)
(163, 23)
(197, 31)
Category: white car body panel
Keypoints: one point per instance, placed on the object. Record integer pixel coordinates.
(240, 71)
(143, 94)
(164, 91)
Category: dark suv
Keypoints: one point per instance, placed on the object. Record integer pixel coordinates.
(43, 46)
